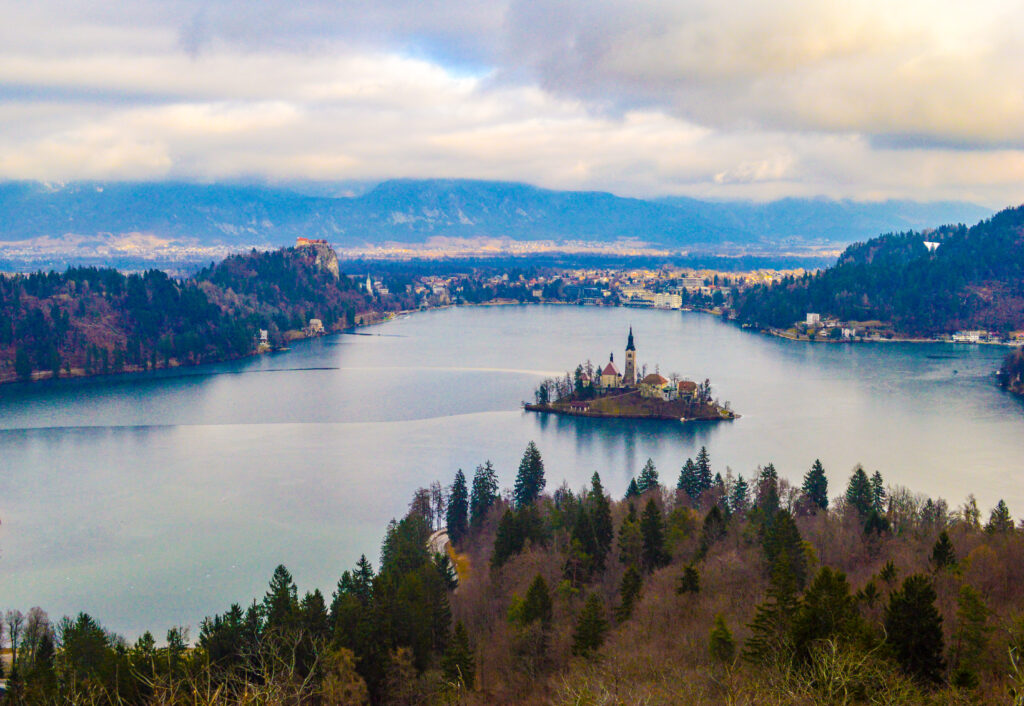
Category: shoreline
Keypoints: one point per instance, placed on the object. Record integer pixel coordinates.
(549, 409)
(298, 335)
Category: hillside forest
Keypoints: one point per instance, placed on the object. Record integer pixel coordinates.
(700, 588)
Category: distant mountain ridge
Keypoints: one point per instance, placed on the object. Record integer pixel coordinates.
(413, 211)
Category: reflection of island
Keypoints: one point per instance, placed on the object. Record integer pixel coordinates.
(628, 395)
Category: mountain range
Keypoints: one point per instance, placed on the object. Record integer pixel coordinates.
(414, 211)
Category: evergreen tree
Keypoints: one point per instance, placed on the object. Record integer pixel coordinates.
(943, 554)
(703, 465)
(999, 521)
(457, 663)
(652, 530)
(484, 493)
(590, 627)
(888, 573)
(457, 513)
(688, 481)
(827, 610)
(914, 629)
(771, 641)
(859, 494)
(714, 529)
(281, 603)
(600, 512)
(815, 487)
(629, 592)
(971, 637)
(530, 478)
(720, 642)
(739, 500)
(633, 490)
(648, 477)
(878, 493)
(781, 542)
(508, 540)
(630, 538)
(689, 582)
(768, 491)
(537, 604)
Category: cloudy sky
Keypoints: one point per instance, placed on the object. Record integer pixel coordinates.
(713, 98)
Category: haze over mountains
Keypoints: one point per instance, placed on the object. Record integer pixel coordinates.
(414, 211)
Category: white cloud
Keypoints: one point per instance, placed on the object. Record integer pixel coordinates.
(744, 98)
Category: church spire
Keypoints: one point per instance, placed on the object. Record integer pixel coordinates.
(629, 343)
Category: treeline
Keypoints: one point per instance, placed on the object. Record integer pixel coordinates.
(97, 320)
(713, 589)
(974, 279)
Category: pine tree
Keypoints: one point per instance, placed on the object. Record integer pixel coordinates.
(530, 478)
(914, 629)
(457, 663)
(815, 487)
(648, 479)
(689, 582)
(781, 542)
(629, 592)
(537, 604)
(457, 514)
(720, 642)
(484, 493)
(630, 540)
(739, 500)
(508, 540)
(943, 554)
(878, 493)
(859, 494)
(281, 603)
(590, 627)
(999, 521)
(703, 469)
(652, 530)
(633, 490)
(688, 481)
(768, 491)
(827, 610)
(971, 637)
(601, 522)
(771, 641)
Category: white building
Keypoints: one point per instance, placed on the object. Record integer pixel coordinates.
(813, 319)
(666, 300)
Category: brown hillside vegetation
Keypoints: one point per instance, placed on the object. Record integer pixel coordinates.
(714, 591)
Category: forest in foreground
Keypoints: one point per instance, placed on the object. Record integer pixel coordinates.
(695, 589)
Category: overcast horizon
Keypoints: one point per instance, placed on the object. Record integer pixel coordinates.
(741, 100)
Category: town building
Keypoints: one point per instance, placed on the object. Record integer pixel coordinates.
(629, 375)
(610, 376)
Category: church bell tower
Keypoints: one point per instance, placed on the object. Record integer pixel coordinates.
(629, 374)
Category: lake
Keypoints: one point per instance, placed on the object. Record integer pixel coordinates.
(152, 501)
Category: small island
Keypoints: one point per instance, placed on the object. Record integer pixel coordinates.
(631, 394)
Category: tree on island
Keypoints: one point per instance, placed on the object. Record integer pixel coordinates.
(859, 493)
(530, 478)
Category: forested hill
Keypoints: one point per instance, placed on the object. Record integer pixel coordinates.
(91, 321)
(974, 279)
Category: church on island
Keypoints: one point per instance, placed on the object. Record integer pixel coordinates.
(652, 386)
(631, 393)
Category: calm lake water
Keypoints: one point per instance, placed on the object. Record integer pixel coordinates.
(154, 501)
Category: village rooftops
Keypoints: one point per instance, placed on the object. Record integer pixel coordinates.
(654, 379)
(610, 369)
